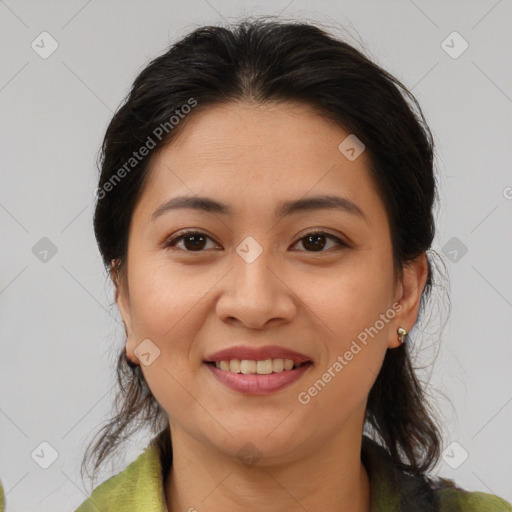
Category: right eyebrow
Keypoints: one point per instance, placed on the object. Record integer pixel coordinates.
(210, 205)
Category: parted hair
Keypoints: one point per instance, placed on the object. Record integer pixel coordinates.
(262, 60)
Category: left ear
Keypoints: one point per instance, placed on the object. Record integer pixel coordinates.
(408, 295)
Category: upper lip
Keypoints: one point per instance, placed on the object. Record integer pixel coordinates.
(257, 354)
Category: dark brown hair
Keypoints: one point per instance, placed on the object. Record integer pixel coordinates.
(270, 61)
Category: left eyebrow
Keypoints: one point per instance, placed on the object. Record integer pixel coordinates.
(325, 202)
(286, 208)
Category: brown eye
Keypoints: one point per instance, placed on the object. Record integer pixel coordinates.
(196, 241)
(193, 241)
(316, 241)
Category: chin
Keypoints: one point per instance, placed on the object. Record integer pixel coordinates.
(260, 446)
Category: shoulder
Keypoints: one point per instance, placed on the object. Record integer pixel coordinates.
(2, 498)
(444, 495)
(452, 497)
(138, 487)
(395, 489)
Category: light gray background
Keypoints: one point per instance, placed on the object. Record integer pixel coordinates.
(58, 331)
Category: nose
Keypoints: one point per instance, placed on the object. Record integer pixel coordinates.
(256, 294)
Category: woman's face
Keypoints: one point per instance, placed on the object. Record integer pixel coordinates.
(252, 279)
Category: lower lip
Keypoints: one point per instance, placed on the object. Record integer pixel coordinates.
(258, 384)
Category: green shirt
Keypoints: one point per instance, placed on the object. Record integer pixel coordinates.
(140, 488)
(2, 498)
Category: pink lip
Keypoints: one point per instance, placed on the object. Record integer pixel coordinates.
(257, 354)
(258, 384)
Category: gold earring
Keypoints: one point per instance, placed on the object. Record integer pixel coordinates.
(402, 333)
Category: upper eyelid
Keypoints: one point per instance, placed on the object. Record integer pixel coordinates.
(312, 231)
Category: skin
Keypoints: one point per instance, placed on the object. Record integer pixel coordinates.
(191, 304)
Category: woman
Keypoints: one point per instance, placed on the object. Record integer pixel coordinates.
(265, 211)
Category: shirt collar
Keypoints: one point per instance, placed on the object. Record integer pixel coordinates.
(391, 488)
(140, 485)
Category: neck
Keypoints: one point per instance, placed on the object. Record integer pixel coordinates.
(332, 478)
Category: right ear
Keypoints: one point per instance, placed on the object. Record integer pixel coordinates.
(122, 298)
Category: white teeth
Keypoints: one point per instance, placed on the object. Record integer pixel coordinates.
(250, 367)
(234, 366)
(264, 367)
(277, 365)
(247, 367)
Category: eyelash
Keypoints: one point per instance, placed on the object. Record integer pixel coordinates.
(171, 242)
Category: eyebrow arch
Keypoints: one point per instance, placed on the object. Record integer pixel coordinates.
(209, 205)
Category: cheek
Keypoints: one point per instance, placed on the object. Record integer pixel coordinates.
(352, 300)
(356, 312)
(162, 296)
(168, 307)
(356, 316)
(338, 305)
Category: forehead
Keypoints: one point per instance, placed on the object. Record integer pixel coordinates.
(248, 155)
(269, 134)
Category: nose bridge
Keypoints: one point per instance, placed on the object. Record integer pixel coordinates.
(253, 280)
(255, 293)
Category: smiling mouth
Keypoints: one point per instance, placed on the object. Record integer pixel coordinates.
(260, 367)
